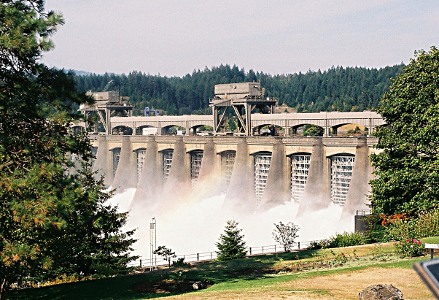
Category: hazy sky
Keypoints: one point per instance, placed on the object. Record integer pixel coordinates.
(172, 38)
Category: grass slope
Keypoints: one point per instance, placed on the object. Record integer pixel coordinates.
(269, 276)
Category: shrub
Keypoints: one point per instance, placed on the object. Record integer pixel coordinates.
(400, 230)
(180, 263)
(315, 245)
(409, 248)
(346, 239)
(376, 232)
(428, 223)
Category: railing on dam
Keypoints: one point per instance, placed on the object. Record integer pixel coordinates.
(289, 122)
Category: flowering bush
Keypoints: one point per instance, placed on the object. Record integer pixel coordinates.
(410, 247)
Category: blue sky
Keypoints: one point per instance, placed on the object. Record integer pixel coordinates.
(172, 38)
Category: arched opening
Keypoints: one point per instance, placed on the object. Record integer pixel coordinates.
(342, 166)
(227, 162)
(261, 167)
(115, 159)
(173, 130)
(299, 168)
(166, 159)
(349, 129)
(268, 130)
(122, 130)
(140, 159)
(307, 130)
(196, 159)
(146, 130)
(201, 130)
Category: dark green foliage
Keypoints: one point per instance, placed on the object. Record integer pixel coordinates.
(52, 223)
(180, 263)
(312, 130)
(166, 253)
(344, 239)
(337, 89)
(231, 243)
(375, 231)
(407, 169)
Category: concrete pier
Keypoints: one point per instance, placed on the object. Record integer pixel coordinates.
(238, 153)
(125, 176)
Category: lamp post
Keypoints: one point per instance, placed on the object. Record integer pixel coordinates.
(153, 242)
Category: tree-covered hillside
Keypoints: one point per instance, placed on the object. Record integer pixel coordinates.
(337, 89)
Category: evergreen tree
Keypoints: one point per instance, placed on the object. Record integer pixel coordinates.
(342, 89)
(52, 223)
(231, 243)
(407, 169)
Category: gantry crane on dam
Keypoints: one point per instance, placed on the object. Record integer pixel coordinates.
(243, 98)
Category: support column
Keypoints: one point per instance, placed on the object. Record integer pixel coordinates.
(359, 188)
(100, 165)
(149, 187)
(326, 131)
(108, 121)
(126, 173)
(215, 120)
(277, 188)
(178, 184)
(248, 119)
(317, 193)
(240, 195)
(209, 181)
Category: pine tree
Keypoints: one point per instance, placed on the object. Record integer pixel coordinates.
(52, 223)
(231, 243)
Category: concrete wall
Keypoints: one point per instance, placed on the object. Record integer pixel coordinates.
(152, 190)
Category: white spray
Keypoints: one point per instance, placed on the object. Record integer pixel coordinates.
(196, 227)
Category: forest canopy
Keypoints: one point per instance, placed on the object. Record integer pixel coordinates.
(336, 89)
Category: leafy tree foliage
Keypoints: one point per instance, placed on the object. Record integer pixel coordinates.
(337, 89)
(231, 243)
(312, 130)
(51, 222)
(407, 169)
(285, 234)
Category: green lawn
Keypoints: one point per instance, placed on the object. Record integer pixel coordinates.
(248, 273)
(431, 240)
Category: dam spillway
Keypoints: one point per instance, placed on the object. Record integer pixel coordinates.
(254, 172)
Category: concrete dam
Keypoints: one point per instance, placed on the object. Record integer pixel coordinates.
(255, 173)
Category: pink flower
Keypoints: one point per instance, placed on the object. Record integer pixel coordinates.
(415, 241)
(419, 243)
(409, 240)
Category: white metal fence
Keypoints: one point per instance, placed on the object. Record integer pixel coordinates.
(206, 256)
